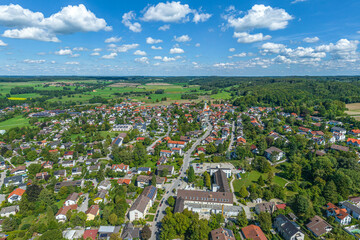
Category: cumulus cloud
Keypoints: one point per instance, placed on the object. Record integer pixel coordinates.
(33, 25)
(201, 17)
(244, 37)
(2, 44)
(156, 48)
(127, 19)
(64, 52)
(158, 57)
(260, 16)
(113, 39)
(95, 54)
(72, 63)
(80, 49)
(343, 49)
(126, 47)
(150, 40)
(231, 49)
(32, 33)
(140, 53)
(97, 50)
(272, 47)
(164, 27)
(110, 56)
(243, 54)
(183, 38)
(297, 1)
(142, 60)
(34, 61)
(167, 12)
(173, 12)
(176, 50)
(168, 59)
(311, 40)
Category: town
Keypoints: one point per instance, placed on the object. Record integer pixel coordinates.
(193, 170)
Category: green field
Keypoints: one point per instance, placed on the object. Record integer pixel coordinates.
(17, 121)
(251, 177)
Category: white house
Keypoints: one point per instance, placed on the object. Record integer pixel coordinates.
(143, 203)
(72, 199)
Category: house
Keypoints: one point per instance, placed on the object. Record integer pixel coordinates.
(120, 168)
(92, 212)
(340, 214)
(125, 181)
(268, 207)
(100, 196)
(7, 211)
(60, 173)
(143, 203)
(105, 232)
(176, 150)
(176, 144)
(339, 148)
(222, 233)
(355, 132)
(69, 155)
(68, 163)
(318, 226)
(61, 214)
(18, 170)
(130, 232)
(143, 169)
(117, 141)
(59, 185)
(338, 129)
(72, 199)
(76, 171)
(166, 153)
(353, 141)
(169, 168)
(15, 195)
(355, 200)
(48, 165)
(90, 233)
(144, 180)
(104, 185)
(287, 229)
(253, 232)
(274, 154)
(15, 180)
(351, 209)
(221, 183)
(42, 175)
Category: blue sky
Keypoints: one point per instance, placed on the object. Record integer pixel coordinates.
(230, 37)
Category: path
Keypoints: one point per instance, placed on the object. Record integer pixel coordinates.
(245, 208)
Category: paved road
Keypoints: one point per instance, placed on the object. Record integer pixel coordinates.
(158, 139)
(177, 183)
(232, 137)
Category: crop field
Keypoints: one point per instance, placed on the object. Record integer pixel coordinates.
(353, 110)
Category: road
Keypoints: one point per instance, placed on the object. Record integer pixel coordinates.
(84, 206)
(158, 139)
(232, 137)
(176, 184)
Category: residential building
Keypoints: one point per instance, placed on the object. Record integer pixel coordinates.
(253, 232)
(92, 212)
(221, 183)
(222, 234)
(143, 203)
(340, 214)
(15, 195)
(287, 229)
(227, 171)
(274, 154)
(72, 199)
(268, 207)
(61, 214)
(130, 232)
(105, 232)
(351, 209)
(318, 226)
(15, 180)
(7, 211)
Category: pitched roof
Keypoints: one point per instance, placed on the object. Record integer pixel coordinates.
(18, 192)
(253, 232)
(64, 209)
(222, 234)
(91, 233)
(93, 210)
(318, 226)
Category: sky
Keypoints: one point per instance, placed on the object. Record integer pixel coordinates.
(179, 38)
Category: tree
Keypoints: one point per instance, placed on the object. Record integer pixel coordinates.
(33, 191)
(243, 192)
(191, 174)
(207, 180)
(153, 180)
(302, 206)
(260, 181)
(46, 197)
(241, 219)
(265, 221)
(171, 201)
(34, 168)
(9, 224)
(146, 233)
(113, 219)
(215, 221)
(164, 172)
(330, 193)
(31, 155)
(210, 149)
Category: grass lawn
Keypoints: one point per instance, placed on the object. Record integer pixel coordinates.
(149, 218)
(149, 164)
(154, 207)
(60, 203)
(17, 121)
(251, 177)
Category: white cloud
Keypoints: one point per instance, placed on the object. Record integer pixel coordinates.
(158, 58)
(32, 33)
(97, 50)
(150, 40)
(95, 54)
(64, 52)
(126, 47)
(297, 1)
(183, 38)
(142, 60)
(80, 49)
(156, 48)
(127, 21)
(75, 55)
(167, 12)
(33, 25)
(176, 50)
(343, 49)
(72, 63)
(2, 44)
(109, 56)
(244, 37)
(231, 49)
(113, 39)
(34, 61)
(201, 17)
(164, 27)
(197, 45)
(272, 47)
(243, 54)
(260, 16)
(140, 53)
(311, 40)
(168, 59)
